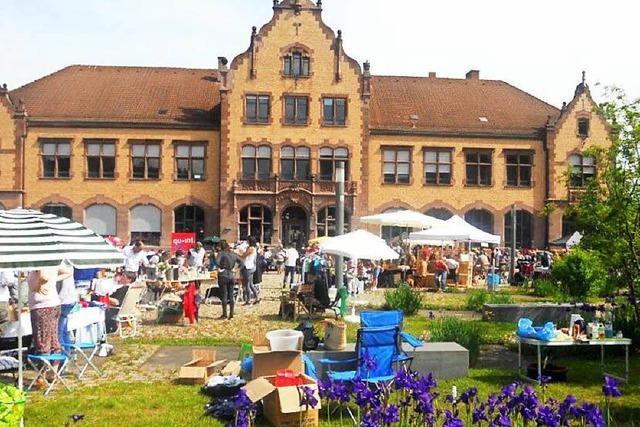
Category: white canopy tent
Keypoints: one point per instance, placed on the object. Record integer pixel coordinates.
(455, 229)
(358, 244)
(403, 218)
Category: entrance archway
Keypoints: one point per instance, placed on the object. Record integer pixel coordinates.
(295, 227)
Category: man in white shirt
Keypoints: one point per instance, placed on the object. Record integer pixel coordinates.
(134, 256)
(196, 255)
(453, 266)
(291, 256)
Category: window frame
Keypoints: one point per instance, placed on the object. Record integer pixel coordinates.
(296, 98)
(518, 165)
(101, 142)
(438, 165)
(193, 219)
(57, 142)
(256, 162)
(305, 58)
(479, 165)
(190, 159)
(581, 167)
(333, 160)
(437, 212)
(334, 122)
(480, 224)
(57, 208)
(146, 143)
(395, 163)
(520, 215)
(579, 121)
(261, 218)
(257, 120)
(297, 160)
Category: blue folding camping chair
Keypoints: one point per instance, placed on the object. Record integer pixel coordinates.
(377, 344)
(392, 318)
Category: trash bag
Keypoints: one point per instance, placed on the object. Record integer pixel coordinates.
(544, 333)
(310, 339)
(222, 409)
(223, 386)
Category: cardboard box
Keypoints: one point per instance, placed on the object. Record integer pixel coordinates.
(267, 362)
(200, 368)
(282, 406)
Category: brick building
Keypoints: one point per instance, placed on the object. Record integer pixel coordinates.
(250, 148)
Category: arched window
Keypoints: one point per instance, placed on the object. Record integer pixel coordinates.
(524, 229)
(101, 218)
(256, 221)
(146, 224)
(295, 163)
(480, 218)
(296, 64)
(328, 160)
(58, 209)
(189, 219)
(256, 162)
(440, 213)
(569, 224)
(326, 221)
(583, 169)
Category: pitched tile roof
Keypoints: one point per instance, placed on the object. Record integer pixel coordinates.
(455, 105)
(153, 96)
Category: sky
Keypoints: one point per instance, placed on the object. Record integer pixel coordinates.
(541, 46)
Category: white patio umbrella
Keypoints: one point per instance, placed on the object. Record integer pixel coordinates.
(30, 240)
(404, 218)
(359, 244)
(456, 229)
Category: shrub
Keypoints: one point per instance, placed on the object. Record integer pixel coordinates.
(547, 288)
(465, 333)
(403, 298)
(477, 299)
(580, 274)
(624, 320)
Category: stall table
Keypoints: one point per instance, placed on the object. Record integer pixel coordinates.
(602, 343)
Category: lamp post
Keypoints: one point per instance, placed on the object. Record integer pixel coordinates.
(339, 178)
(512, 269)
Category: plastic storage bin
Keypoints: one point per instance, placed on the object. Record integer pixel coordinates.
(284, 340)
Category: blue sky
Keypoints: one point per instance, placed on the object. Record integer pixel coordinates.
(540, 46)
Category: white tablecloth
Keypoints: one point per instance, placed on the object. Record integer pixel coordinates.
(105, 286)
(88, 324)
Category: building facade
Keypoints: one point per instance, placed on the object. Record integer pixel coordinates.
(250, 148)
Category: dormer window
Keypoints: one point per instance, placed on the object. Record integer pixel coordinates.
(583, 127)
(296, 64)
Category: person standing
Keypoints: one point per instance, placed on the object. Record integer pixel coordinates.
(196, 256)
(453, 267)
(44, 305)
(441, 274)
(291, 257)
(134, 256)
(226, 261)
(68, 298)
(8, 281)
(249, 258)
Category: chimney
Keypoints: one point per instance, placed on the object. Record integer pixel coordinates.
(432, 74)
(223, 70)
(473, 75)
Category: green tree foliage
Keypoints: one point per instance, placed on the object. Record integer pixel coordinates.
(609, 210)
(580, 274)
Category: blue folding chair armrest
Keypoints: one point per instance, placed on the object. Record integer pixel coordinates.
(336, 361)
(50, 357)
(411, 340)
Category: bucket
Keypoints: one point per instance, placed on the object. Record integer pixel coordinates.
(335, 335)
(493, 282)
(284, 340)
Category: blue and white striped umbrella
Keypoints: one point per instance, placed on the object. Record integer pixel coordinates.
(30, 239)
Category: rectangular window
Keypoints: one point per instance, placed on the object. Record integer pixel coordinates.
(397, 165)
(479, 167)
(257, 108)
(296, 65)
(437, 166)
(56, 158)
(296, 110)
(583, 127)
(101, 158)
(145, 160)
(334, 111)
(190, 162)
(519, 167)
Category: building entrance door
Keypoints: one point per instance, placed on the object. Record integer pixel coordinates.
(294, 228)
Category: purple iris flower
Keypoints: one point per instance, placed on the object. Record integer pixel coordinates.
(403, 380)
(544, 379)
(340, 392)
(450, 420)
(308, 398)
(371, 419)
(469, 395)
(547, 417)
(592, 415)
(324, 388)
(610, 387)
(479, 414)
(509, 391)
(369, 362)
(390, 415)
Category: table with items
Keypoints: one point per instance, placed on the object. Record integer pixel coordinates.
(602, 343)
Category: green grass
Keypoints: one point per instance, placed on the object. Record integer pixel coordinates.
(164, 404)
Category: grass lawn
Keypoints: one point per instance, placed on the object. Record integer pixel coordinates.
(164, 404)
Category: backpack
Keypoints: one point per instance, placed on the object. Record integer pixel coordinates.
(310, 339)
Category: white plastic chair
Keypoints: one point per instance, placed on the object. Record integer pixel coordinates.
(129, 312)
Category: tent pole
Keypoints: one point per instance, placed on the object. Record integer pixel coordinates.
(21, 280)
(339, 220)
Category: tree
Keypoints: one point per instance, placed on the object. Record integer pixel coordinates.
(609, 210)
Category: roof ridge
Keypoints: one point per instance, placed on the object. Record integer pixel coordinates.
(78, 66)
(462, 79)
